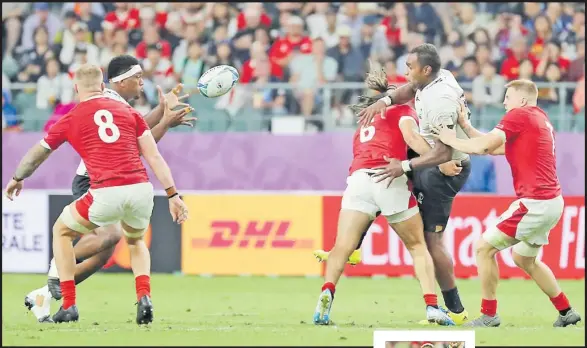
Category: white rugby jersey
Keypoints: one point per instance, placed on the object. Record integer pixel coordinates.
(108, 93)
(437, 104)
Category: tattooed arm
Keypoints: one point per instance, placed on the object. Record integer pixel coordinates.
(31, 161)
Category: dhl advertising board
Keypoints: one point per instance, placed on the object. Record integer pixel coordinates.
(252, 234)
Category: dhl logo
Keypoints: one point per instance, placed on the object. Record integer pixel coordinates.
(253, 234)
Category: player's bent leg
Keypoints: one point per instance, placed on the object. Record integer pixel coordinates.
(69, 225)
(351, 225)
(525, 257)
(96, 247)
(140, 259)
(492, 242)
(38, 302)
(408, 225)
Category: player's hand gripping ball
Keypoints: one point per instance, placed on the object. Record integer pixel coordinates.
(218, 81)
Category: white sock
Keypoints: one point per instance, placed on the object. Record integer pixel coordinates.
(53, 270)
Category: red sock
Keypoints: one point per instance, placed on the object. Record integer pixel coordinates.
(68, 292)
(431, 300)
(489, 307)
(143, 286)
(330, 286)
(560, 302)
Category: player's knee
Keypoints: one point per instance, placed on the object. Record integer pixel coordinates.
(484, 249)
(522, 262)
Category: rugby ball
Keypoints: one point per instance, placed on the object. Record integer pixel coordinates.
(218, 81)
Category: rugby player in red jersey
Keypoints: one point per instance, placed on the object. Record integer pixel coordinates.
(94, 250)
(110, 137)
(526, 137)
(364, 198)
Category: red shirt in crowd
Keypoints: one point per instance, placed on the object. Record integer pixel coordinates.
(241, 21)
(248, 71)
(165, 49)
(124, 20)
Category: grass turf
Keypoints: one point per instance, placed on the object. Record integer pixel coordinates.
(272, 311)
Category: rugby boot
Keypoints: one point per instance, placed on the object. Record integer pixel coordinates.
(39, 302)
(438, 316)
(457, 318)
(322, 312)
(144, 311)
(53, 281)
(484, 321)
(66, 315)
(571, 318)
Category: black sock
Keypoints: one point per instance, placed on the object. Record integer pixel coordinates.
(564, 311)
(452, 300)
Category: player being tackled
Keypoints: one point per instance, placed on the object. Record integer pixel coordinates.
(368, 194)
(526, 137)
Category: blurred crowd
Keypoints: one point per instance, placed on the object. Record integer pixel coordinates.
(306, 44)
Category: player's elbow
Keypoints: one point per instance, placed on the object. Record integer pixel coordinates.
(442, 152)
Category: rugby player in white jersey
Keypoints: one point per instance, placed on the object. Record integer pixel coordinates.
(438, 96)
(95, 249)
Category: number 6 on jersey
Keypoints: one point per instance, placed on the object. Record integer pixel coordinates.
(107, 124)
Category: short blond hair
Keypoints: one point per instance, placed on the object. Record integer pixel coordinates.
(89, 77)
(525, 86)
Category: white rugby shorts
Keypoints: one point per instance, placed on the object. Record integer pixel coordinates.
(131, 204)
(363, 194)
(528, 221)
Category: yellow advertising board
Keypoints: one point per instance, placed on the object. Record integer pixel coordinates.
(249, 234)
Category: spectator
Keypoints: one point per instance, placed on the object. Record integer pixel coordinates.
(468, 72)
(574, 34)
(542, 34)
(221, 17)
(192, 67)
(423, 19)
(191, 34)
(458, 57)
(482, 178)
(41, 18)
(351, 63)
(96, 8)
(61, 110)
(317, 22)
(262, 36)
(249, 67)
(80, 57)
(531, 11)
(392, 76)
(467, 16)
(272, 101)
(373, 42)
(350, 17)
(32, 61)
(80, 41)
(511, 65)
(117, 46)
(151, 38)
(552, 54)
(310, 71)
(65, 36)
(526, 70)
(284, 49)
(54, 87)
(123, 17)
(158, 68)
(330, 36)
(92, 20)
(220, 35)
(12, 12)
(549, 95)
(488, 88)
(483, 55)
(558, 19)
(252, 17)
(481, 37)
(224, 56)
(10, 119)
(577, 66)
(395, 23)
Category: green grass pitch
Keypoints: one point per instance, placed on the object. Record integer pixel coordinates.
(272, 311)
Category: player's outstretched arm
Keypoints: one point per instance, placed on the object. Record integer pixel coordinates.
(173, 100)
(482, 145)
(411, 135)
(377, 104)
(171, 118)
(29, 163)
(472, 132)
(151, 153)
